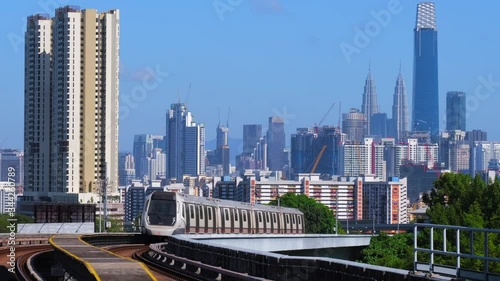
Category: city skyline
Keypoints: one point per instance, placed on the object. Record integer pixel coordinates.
(310, 83)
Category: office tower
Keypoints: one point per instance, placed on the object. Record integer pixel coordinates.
(143, 146)
(185, 143)
(425, 72)
(354, 125)
(476, 135)
(71, 102)
(400, 115)
(251, 135)
(370, 105)
(455, 111)
(126, 168)
(378, 126)
(12, 158)
(275, 143)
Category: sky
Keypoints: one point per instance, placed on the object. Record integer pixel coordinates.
(262, 58)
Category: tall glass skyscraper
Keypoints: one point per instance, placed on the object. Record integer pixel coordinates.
(425, 72)
(455, 111)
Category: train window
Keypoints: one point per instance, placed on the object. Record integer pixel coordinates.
(293, 219)
(226, 214)
(260, 216)
(235, 215)
(244, 213)
(191, 211)
(298, 219)
(274, 217)
(183, 210)
(209, 210)
(287, 218)
(267, 217)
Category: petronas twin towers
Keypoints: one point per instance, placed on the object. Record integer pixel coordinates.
(399, 124)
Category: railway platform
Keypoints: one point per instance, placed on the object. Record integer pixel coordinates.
(100, 264)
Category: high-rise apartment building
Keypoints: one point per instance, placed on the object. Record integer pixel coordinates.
(425, 72)
(126, 168)
(71, 103)
(369, 105)
(400, 117)
(275, 144)
(185, 143)
(455, 111)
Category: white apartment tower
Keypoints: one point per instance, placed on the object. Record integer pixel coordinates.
(71, 102)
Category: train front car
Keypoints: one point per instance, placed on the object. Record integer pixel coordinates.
(161, 215)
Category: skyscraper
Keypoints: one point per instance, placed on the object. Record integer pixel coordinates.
(400, 115)
(126, 168)
(251, 135)
(425, 72)
(144, 146)
(71, 102)
(185, 143)
(455, 111)
(222, 149)
(354, 125)
(370, 105)
(275, 143)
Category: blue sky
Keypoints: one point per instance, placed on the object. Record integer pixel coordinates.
(269, 57)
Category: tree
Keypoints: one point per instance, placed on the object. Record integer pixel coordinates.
(318, 218)
(390, 251)
(4, 223)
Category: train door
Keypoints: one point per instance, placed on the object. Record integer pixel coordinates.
(210, 219)
(274, 223)
(191, 223)
(281, 223)
(236, 220)
(294, 223)
(287, 223)
(226, 221)
(200, 212)
(299, 224)
(259, 222)
(244, 221)
(267, 224)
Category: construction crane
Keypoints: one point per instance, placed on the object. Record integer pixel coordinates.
(316, 130)
(316, 162)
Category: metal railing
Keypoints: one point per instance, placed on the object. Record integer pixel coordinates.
(452, 250)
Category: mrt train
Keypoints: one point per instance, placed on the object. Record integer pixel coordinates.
(170, 213)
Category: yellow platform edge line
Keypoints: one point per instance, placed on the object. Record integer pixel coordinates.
(116, 255)
(88, 265)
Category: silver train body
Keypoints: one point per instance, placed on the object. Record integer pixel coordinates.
(170, 213)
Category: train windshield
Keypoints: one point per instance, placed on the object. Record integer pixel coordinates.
(162, 212)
